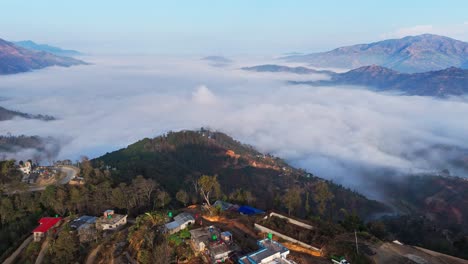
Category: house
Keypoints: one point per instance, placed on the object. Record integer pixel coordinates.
(45, 224)
(270, 252)
(181, 221)
(110, 220)
(212, 243)
(86, 227)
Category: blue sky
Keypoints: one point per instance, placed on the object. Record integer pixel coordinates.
(225, 27)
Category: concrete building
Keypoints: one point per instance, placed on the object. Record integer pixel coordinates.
(45, 225)
(216, 246)
(270, 252)
(110, 220)
(181, 221)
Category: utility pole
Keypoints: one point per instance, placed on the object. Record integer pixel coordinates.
(355, 236)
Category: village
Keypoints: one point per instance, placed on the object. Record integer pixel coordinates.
(234, 235)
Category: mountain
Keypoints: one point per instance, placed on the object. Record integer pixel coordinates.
(217, 61)
(280, 68)
(176, 159)
(434, 212)
(409, 54)
(15, 59)
(28, 44)
(442, 83)
(6, 114)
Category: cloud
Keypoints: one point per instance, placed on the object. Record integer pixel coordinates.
(457, 31)
(353, 136)
(204, 96)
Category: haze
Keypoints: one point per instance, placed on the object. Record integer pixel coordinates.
(340, 133)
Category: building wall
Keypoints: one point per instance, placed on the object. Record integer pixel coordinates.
(285, 237)
(38, 236)
(292, 221)
(115, 225)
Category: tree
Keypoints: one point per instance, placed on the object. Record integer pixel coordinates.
(119, 198)
(322, 196)
(7, 211)
(209, 185)
(65, 248)
(182, 197)
(144, 188)
(163, 198)
(307, 205)
(155, 218)
(242, 196)
(292, 199)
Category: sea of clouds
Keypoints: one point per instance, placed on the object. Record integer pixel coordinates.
(349, 134)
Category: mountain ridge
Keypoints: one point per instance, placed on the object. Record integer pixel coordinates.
(282, 68)
(15, 59)
(410, 54)
(451, 81)
(29, 44)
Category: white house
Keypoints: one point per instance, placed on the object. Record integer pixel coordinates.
(181, 221)
(110, 220)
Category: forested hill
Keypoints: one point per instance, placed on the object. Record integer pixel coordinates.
(176, 160)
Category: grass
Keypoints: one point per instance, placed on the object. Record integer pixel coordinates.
(178, 238)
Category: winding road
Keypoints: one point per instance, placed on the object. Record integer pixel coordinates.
(69, 171)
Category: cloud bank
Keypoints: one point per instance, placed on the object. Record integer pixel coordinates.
(353, 136)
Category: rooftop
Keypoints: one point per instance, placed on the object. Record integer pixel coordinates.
(183, 218)
(46, 223)
(112, 219)
(85, 219)
(270, 250)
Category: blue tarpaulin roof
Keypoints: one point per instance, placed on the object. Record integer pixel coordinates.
(247, 210)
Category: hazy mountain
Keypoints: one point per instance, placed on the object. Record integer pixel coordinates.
(28, 44)
(442, 83)
(15, 59)
(281, 68)
(6, 114)
(217, 61)
(409, 54)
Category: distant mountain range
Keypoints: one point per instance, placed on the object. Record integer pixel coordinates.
(28, 44)
(6, 114)
(281, 68)
(217, 61)
(409, 54)
(441, 83)
(15, 59)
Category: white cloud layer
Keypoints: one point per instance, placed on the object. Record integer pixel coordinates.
(335, 132)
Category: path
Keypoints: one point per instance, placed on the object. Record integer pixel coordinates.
(44, 247)
(92, 255)
(15, 254)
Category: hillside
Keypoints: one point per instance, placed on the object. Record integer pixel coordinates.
(6, 114)
(409, 54)
(15, 59)
(177, 159)
(281, 68)
(434, 212)
(28, 44)
(448, 82)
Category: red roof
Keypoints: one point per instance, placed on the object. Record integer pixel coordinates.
(46, 223)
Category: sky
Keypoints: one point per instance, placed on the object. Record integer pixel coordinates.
(225, 27)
